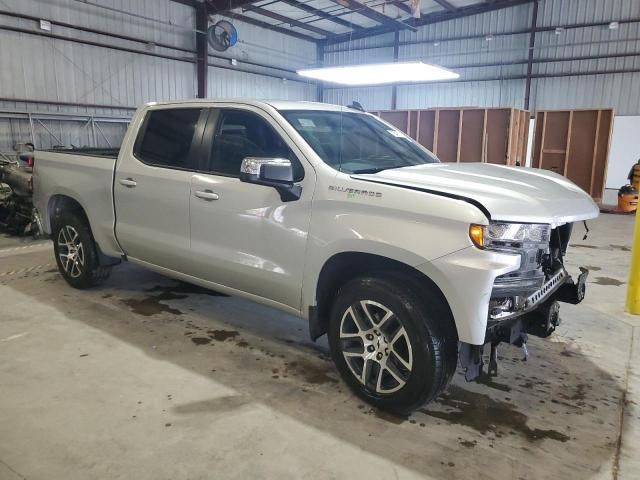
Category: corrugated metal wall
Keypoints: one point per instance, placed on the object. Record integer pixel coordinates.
(434, 44)
(620, 91)
(36, 68)
(258, 45)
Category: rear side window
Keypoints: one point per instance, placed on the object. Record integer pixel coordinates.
(167, 136)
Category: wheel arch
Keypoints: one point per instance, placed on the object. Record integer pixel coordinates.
(60, 203)
(344, 266)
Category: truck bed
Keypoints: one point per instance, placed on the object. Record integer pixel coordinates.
(85, 175)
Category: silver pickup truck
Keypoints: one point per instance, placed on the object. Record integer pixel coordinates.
(408, 264)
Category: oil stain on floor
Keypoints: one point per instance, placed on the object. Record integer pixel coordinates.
(608, 281)
(485, 414)
(151, 305)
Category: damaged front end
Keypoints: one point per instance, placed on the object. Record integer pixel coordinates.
(525, 302)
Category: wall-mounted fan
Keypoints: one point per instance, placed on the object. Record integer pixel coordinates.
(222, 35)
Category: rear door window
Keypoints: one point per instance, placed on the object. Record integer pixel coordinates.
(168, 136)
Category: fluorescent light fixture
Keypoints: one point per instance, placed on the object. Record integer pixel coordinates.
(380, 73)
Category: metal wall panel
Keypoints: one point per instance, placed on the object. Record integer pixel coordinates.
(438, 45)
(58, 70)
(371, 98)
(225, 83)
(618, 91)
(166, 21)
(505, 93)
(268, 47)
(37, 68)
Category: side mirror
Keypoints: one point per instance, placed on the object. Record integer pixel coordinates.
(271, 172)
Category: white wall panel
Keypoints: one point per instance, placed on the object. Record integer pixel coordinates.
(42, 69)
(442, 44)
(371, 98)
(225, 83)
(62, 71)
(625, 150)
(505, 93)
(265, 46)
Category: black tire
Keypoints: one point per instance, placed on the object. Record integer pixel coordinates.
(83, 269)
(427, 321)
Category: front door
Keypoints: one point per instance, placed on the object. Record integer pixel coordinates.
(243, 235)
(153, 185)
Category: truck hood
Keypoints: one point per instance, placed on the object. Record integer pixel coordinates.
(512, 194)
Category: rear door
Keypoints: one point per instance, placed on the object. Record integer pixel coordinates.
(153, 184)
(243, 235)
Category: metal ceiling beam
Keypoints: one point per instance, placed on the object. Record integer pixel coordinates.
(290, 21)
(446, 5)
(390, 23)
(188, 3)
(430, 19)
(268, 26)
(202, 49)
(467, 11)
(401, 5)
(532, 46)
(322, 14)
(220, 6)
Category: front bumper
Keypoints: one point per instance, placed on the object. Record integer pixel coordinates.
(538, 316)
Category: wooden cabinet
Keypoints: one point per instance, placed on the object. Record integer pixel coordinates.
(574, 143)
(491, 135)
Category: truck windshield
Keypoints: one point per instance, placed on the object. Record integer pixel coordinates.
(356, 143)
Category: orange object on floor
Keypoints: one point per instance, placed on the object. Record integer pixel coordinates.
(628, 197)
(627, 202)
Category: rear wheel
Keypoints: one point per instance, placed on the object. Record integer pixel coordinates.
(392, 341)
(76, 252)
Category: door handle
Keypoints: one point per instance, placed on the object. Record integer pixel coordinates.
(128, 182)
(207, 195)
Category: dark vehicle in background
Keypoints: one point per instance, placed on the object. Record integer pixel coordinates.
(17, 215)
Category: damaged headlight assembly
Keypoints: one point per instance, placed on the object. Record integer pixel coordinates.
(508, 236)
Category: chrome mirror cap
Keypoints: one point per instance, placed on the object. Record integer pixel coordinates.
(271, 172)
(253, 165)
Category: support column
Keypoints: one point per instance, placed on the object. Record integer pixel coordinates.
(320, 58)
(202, 49)
(394, 88)
(532, 44)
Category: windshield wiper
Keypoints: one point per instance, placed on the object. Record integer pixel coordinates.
(374, 170)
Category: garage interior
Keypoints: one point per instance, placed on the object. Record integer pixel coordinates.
(146, 377)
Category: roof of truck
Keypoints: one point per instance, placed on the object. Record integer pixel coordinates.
(277, 104)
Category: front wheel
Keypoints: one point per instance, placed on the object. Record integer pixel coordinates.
(393, 342)
(76, 252)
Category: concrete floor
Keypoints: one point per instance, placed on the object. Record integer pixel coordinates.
(145, 378)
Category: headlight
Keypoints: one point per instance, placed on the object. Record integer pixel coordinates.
(501, 235)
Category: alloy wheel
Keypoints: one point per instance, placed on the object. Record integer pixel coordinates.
(376, 346)
(71, 251)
